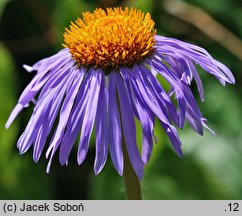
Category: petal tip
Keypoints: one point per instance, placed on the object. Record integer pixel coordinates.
(28, 68)
(7, 125)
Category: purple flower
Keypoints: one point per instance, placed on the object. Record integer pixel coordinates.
(104, 79)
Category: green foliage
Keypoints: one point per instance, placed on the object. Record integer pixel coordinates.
(2, 4)
(144, 5)
(67, 11)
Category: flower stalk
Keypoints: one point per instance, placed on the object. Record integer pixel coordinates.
(131, 181)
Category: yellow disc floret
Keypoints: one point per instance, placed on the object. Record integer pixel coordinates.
(111, 37)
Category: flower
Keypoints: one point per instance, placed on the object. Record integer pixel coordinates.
(104, 78)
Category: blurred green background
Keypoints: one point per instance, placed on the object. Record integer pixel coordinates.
(211, 169)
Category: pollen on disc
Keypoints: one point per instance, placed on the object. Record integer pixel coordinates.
(111, 38)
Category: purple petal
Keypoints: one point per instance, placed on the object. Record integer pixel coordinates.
(54, 99)
(173, 135)
(208, 128)
(198, 81)
(115, 131)
(57, 78)
(90, 114)
(64, 115)
(75, 119)
(17, 109)
(162, 97)
(47, 64)
(145, 117)
(101, 131)
(194, 120)
(36, 84)
(28, 68)
(174, 47)
(30, 132)
(148, 99)
(182, 89)
(129, 129)
(40, 80)
(224, 69)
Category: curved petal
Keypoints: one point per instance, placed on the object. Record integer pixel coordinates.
(129, 129)
(149, 96)
(44, 116)
(181, 88)
(162, 97)
(194, 121)
(173, 136)
(39, 80)
(53, 106)
(75, 119)
(150, 101)
(114, 127)
(65, 115)
(101, 130)
(89, 114)
(145, 117)
(198, 81)
(199, 55)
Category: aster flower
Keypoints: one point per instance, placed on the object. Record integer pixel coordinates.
(103, 79)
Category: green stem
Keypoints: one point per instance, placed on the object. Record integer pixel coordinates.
(131, 181)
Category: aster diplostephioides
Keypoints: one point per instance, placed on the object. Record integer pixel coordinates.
(104, 78)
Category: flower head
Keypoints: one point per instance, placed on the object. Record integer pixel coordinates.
(104, 78)
(111, 38)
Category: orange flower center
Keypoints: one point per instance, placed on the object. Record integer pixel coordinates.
(111, 38)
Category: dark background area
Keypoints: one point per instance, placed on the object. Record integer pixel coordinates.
(211, 169)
